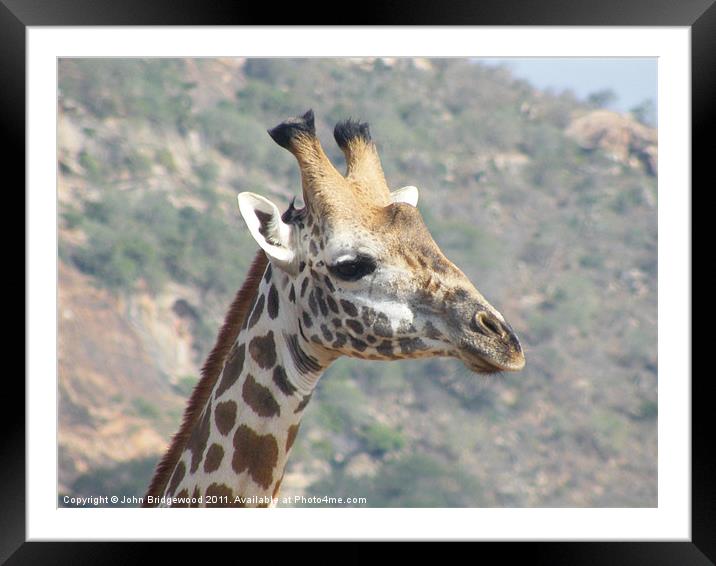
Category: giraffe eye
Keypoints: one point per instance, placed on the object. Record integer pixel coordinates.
(354, 268)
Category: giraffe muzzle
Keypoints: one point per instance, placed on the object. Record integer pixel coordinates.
(491, 345)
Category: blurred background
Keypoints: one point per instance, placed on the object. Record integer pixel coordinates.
(537, 178)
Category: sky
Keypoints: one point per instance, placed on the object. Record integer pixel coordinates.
(632, 79)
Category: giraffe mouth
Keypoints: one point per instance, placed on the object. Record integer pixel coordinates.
(481, 365)
(491, 362)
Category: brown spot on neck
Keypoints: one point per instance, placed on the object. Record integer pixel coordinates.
(263, 350)
(257, 312)
(233, 368)
(272, 304)
(259, 398)
(292, 432)
(255, 453)
(178, 475)
(302, 405)
(182, 498)
(199, 438)
(221, 495)
(225, 416)
(277, 487)
(280, 378)
(213, 458)
(195, 497)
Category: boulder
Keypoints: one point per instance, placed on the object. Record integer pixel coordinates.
(621, 137)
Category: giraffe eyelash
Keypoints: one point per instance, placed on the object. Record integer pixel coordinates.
(353, 268)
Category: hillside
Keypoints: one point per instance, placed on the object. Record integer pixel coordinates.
(548, 204)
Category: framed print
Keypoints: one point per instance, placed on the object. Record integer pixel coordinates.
(569, 209)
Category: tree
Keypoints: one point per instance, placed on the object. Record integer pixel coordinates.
(602, 98)
(645, 112)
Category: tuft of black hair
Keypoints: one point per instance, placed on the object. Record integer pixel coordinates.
(350, 129)
(293, 215)
(289, 129)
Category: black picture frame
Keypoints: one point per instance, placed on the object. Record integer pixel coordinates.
(17, 15)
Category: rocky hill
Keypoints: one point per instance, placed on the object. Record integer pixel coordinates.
(547, 204)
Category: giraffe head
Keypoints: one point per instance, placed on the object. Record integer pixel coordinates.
(366, 279)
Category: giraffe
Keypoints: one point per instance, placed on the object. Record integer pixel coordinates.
(354, 272)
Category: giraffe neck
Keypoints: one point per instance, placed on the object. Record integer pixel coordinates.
(238, 449)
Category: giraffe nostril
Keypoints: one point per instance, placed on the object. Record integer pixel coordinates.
(488, 325)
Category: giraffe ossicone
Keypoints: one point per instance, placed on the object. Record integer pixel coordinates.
(354, 273)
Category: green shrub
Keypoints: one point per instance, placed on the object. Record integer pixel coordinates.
(234, 134)
(165, 158)
(591, 261)
(72, 217)
(185, 385)
(627, 199)
(648, 409)
(137, 163)
(145, 409)
(340, 405)
(94, 171)
(379, 439)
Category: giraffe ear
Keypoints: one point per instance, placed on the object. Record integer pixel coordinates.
(408, 195)
(271, 233)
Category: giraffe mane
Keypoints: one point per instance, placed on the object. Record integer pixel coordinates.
(209, 374)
